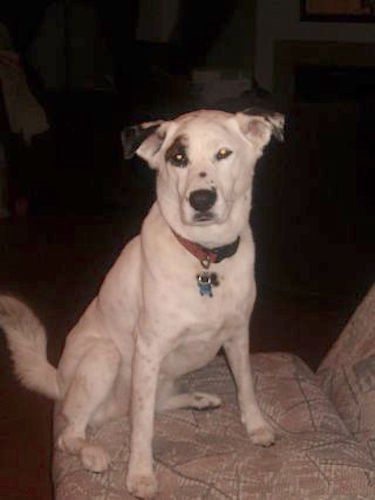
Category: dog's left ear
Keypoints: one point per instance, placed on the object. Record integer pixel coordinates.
(259, 126)
(145, 140)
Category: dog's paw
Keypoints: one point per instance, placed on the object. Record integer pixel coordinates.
(69, 441)
(262, 436)
(95, 458)
(142, 485)
(204, 401)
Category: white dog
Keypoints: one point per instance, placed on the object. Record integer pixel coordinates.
(178, 292)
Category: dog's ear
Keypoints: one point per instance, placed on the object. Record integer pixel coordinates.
(145, 140)
(259, 125)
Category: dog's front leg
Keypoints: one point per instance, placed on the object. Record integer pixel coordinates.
(141, 481)
(237, 352)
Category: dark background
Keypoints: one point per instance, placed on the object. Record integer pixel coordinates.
(313, 197)
(313, 201)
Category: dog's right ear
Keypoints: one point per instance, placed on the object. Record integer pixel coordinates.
(258, 125)
(145, 140)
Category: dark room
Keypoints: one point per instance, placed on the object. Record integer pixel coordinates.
(169, 171)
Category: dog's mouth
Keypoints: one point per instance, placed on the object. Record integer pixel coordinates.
(203, 217)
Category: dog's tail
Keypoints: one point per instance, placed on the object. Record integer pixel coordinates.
(27, 343)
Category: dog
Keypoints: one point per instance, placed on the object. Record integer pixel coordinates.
(177, 293)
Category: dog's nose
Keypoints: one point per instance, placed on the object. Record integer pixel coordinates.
(202, 199)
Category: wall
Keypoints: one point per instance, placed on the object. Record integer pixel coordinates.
(87, 58)
(47, 51)
(156, 20)
(235, 47)
(87, 61)
(279, 20)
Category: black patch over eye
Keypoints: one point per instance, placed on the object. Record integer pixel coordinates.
(179, 160)
(223, 153)
(176, 153)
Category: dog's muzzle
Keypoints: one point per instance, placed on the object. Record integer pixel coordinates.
(202, 200)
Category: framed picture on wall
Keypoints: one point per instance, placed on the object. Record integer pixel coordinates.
(359, 11)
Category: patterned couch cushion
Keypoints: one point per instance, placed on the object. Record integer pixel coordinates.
(207, 454)
(347, 374)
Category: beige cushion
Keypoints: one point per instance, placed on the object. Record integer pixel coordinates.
(348, 373)
(208, 455)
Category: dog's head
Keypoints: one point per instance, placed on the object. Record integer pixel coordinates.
(205, 162)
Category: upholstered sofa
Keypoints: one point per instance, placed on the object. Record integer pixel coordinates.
(325, 424)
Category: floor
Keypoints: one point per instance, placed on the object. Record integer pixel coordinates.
(56, 264)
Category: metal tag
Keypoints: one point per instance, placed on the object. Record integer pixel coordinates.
(206, 262)
(205, 283)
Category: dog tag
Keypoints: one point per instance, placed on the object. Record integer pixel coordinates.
(205, 283)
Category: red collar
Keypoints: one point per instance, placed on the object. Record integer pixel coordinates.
(206, 256)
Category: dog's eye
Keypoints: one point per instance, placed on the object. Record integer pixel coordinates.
(223, 153)
(179, 160)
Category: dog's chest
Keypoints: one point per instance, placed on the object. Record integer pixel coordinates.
(230, 290)
(174, 292)
(201, 325)
(197, 344)
(179, 290)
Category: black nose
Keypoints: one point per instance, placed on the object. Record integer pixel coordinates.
(202, 199)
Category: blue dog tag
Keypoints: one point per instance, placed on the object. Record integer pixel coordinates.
(205, 283)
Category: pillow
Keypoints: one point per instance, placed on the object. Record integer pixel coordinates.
(347, 374)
